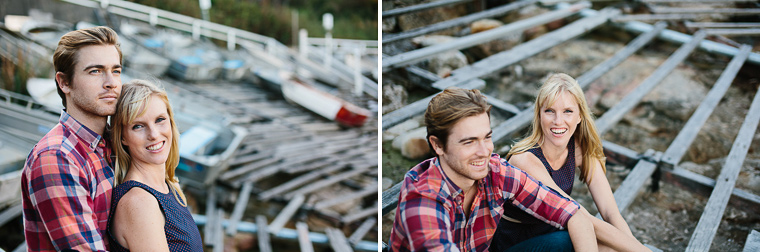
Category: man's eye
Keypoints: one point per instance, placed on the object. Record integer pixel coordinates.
(117, 71)
(95, 71)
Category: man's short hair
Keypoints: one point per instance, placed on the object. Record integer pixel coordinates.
(450, 106)
(65, 55)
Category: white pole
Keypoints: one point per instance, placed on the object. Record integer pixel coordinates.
(303, 43)
(327, 23)
(358, 85)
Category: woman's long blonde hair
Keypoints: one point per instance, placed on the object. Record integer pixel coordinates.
(132, 103)
(586, 134)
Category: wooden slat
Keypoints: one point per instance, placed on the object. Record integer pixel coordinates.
(339, 199)
(208, 230)
(326, 182)
(263, 234)
(705, 231)
(697, 1)
(731, 11)
(293, 183)
(689, 131)
(219, 237)
(700, 184)
(460, 21)
(753, 242)
(652, 17)
(338, 240)
(390, 198)
(240, 205)
(619, 153)
(360, 232)
(419, 107)
(411, 57)
(612, 116)
(303, 237)
(10, 213)
(721, 25)
(525, 50)
(361, 214)
(420, 7)
(630, 187)
(746, 31)
(279, 222)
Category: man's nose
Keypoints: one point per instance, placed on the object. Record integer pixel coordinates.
(111, 81)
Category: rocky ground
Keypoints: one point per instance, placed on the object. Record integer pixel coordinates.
(666, 218)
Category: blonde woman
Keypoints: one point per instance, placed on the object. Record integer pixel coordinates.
(154, 216)
(563, 137)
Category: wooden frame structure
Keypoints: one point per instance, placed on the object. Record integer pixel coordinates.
(651, 164)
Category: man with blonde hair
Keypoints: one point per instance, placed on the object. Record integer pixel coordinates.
(453, 202)
(68, 177)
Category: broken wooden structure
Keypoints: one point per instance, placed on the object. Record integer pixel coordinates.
(652, 164)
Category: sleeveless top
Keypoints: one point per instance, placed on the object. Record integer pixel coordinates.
(510, 233)
(181, 232)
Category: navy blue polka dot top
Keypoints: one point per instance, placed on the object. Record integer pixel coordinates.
(181, 232)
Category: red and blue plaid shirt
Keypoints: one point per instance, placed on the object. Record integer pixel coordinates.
(66, 185)
(430, 216)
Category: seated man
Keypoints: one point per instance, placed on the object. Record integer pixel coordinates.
(453, 202)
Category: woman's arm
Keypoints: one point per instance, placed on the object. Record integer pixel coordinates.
(581, 231)
(605, 200)
(138, 222)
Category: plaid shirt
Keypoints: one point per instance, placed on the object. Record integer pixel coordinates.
(430, 216)
(66, 184)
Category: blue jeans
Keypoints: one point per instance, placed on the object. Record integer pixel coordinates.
(558, 241)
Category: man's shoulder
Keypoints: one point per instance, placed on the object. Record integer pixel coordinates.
(57, 142)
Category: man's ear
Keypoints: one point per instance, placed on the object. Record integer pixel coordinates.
(63, 82)
(437, 146)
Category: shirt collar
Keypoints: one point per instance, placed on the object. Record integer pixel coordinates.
(86, 135)
(453, 188)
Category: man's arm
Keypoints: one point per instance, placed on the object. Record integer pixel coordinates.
(60, 193)
(426, 225)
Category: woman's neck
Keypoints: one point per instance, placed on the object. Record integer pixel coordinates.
(553, 153)
(153, 176)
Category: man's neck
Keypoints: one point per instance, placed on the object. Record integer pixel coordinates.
(92, 122)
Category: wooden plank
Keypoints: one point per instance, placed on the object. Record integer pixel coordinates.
(630, 187)
(621, 55)
(730, 11)
(303, 179)
(390, 198)
(338, 240)
(614, 114)
(411, 57)
(419, 106)
(362, 230)
(369, 190)
(705, 231)
(456, 22)
(653, 248)
(361, 214)
(620, 154)
(10, 213)
(303, 237)
(722, 25)
(279, 222)
(753, 242)
(208, 230)
(697, 1)
(264, 244)
(248, 168)
(420, 7)
(503, 59)
(326, 182)
(689, 131)
(746, 31)
(653, 17)
(700, 184)
(218, 229)
(240, 205)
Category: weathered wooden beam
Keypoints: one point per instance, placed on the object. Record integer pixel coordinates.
(689, 131)
(652, 17)
(700, 184)
(456, 22)
(325, 182)
(411, 57)
(708, 224)
(361, 214)
(240, 205)
(362, 230)
(420, 7)
(630, 187)
(620, 154)
(303, 179)
(390, 198)
(730, 11)
(218, 230)
(746, 31)
(10, 213)
(419, 106)
(614, 114)
(721, 25)
(369, 190)
(753, 242)
(303, 237)
(525, 50)
(208, 231)
(263, 234)
(338, 240)
(696, 1)
(279, 222)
